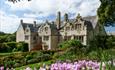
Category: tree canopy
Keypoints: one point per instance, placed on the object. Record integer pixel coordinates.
(106, 12)
(5, 37)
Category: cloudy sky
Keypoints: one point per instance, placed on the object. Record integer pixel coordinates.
(40, 10)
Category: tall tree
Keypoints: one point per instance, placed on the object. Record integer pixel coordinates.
(106, 12)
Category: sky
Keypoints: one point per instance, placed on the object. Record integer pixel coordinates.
(41, 10)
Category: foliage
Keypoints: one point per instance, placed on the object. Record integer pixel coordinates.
(106, 12)
(24, 58)
(22, 46)
(4, 47)
(102, 42)
(13, 47)
(72, 49)
(70, 44)
(7, 37)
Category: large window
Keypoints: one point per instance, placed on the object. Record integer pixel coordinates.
(80, 38)
(67, 28)
(46, 38)
(68, 37)
(26, 37)
(78, 26)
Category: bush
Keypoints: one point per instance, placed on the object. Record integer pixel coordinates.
(51, 52)
(12, 45)
(102, 42)
(71, 46)
(4, 47)
(17, 65)
(45, 57)
(70, 43)
(22, 46)
(28, 57)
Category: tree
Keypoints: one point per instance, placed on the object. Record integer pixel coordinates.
(106, 12)
(102, 42)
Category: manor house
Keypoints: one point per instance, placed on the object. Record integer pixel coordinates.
(48, 35)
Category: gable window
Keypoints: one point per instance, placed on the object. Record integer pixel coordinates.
(46, 38)
(27, 30)
(26, 37)
(46, 28)
(67, 28)
(78, 26)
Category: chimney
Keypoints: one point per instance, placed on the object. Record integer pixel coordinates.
(66, 17)
(21, 21)
(34, 23)
(58, 20)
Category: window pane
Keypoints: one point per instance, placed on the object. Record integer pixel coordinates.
(26, 37)
(46, 38)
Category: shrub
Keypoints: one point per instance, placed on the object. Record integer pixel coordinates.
(102, 42)
(28, 57)
(32, 61)
(71, 46)
(17, 65)
(12, 45)
(50, 52)
(4, 47)
(22, 46)
(70, 43)
(46, 57)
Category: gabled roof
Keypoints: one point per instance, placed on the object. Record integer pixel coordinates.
(92, 19)
(31, 26)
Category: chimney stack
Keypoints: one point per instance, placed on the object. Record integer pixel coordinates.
(21, 21)
(34, 23)
(66, 17)
(58, 20)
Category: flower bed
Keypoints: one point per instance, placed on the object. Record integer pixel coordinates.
(78, 65)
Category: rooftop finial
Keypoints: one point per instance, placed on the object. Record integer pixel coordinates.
(78, 16)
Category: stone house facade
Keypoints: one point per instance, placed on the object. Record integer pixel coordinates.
(50, 34)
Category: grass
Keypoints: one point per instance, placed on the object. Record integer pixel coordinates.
(7, 54)
(36, 65)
